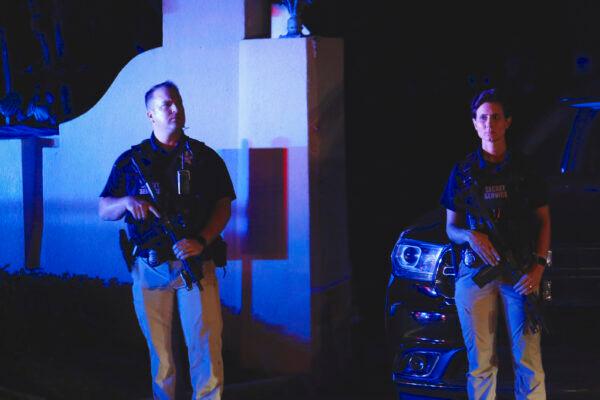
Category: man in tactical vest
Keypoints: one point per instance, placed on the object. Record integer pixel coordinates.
(513, 200)
(175, 194)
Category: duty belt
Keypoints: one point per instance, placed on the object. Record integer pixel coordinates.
(154, 257)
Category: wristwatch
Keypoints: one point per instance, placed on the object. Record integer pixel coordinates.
(540, 260)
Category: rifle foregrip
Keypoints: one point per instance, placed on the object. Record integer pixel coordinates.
(486, 274)
(195, 267)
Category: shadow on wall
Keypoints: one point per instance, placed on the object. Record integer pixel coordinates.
(261, 235)
(265, 234)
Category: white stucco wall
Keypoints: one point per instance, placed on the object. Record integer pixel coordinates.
(12, 242)
(200, 54)
(274, 114)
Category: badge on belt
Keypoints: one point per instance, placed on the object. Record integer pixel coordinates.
(469, 257)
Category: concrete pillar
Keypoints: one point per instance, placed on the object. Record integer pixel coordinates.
(291, 99)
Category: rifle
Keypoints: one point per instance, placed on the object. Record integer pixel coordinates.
(190, 264)
(510, 266)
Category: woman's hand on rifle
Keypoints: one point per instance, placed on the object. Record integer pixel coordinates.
(481, 244)
(530, 282)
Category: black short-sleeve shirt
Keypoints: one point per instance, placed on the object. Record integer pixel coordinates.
(209, 182)
(510, 190)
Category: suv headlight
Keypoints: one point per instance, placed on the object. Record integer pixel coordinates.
(414, 259)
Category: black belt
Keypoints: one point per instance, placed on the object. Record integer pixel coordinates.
(155, 257)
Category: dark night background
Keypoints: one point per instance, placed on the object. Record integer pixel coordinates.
(410, 76)
(411, 71)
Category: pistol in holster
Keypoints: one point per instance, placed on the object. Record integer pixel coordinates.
(128, 249)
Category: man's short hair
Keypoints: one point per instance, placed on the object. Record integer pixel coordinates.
(165, 84)
(492, 95)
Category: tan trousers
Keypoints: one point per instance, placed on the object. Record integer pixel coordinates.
(478, 315)
(155, 291)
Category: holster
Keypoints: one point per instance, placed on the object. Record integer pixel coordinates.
(127, 249)
(217, 251)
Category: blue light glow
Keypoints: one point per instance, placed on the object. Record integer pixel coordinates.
(427, 317)
(413, 259)
(427, 290)
(410, 255)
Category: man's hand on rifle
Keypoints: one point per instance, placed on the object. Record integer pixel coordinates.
(530, 282)
(481, 244)
(186, 248)
(140, 208)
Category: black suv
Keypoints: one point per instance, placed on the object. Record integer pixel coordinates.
(422, 324)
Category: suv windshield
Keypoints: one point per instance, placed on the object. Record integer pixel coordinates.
(580, 156)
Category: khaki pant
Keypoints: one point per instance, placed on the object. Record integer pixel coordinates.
(478, 314)
(155, 291)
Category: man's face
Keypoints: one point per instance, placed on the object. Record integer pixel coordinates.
(490, 122)
(166, 110)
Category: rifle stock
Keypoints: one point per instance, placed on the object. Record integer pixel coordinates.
(486, 274)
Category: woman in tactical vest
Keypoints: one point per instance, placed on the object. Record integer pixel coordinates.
(497, 212)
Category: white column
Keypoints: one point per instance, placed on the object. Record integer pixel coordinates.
(291, 98)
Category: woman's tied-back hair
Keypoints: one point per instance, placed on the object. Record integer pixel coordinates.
(492, 95)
